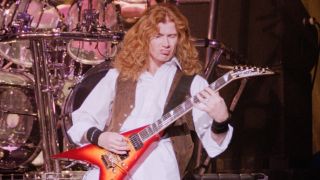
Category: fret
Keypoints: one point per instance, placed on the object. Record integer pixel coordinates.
(159, 123)
(182, 106)
(213, 86)
(175, 112)
(154, 127)
(143, 134)
(179, 110)
(171, 113)
(149, 130)
(188, 103)
(195, 99)
(220, 82)
(166, 116)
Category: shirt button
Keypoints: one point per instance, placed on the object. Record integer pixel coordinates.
(125, 115)
(131, 106)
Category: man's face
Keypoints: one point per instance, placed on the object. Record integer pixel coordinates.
(162, 46)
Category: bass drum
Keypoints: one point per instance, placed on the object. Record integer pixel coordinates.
(19, 126)
(78, 94)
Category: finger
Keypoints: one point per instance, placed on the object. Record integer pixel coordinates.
(205, 94)
(201, 106)
(113, 147)
(122, 142)
(202, 100)
(121, 146)
(116, 138)
(121, 138)
(117, 151)
(210, 91)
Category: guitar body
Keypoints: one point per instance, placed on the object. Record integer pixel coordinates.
(111, 165)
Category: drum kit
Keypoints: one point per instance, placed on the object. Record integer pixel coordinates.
(52, 51)
(47, 51)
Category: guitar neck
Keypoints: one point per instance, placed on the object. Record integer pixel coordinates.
(173, 115)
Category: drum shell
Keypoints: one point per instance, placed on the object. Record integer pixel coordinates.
(20, 136)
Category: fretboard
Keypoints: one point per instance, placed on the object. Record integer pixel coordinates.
(180, 110)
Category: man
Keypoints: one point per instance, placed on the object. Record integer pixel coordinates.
(155, 50)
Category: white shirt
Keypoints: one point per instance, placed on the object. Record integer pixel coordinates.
(151, 94)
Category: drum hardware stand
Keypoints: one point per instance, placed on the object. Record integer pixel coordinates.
(23, 23)
(119, 18)
(90, 18)
(214, 61)
(220, 49)
(41, 14)
(90, 21)
(79, 5)
(45, 104)
(104, 4)
(13, 15)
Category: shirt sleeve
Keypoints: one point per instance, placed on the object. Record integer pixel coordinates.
(202, 123)
(95, 110)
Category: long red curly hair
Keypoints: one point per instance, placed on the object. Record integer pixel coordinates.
(132, 59)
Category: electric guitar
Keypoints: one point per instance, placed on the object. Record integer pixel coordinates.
(115, 167)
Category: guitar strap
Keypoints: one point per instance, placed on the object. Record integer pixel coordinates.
(179, 132)
(182, 132)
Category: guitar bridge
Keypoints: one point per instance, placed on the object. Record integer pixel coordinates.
(114, 162)
(108, 161)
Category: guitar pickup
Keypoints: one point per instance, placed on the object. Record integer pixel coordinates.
(136, 141)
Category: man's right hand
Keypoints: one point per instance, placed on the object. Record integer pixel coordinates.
(113, 142)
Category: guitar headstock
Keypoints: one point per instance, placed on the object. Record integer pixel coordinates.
(239, 72)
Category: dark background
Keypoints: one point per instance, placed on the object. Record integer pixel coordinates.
(272, 120)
